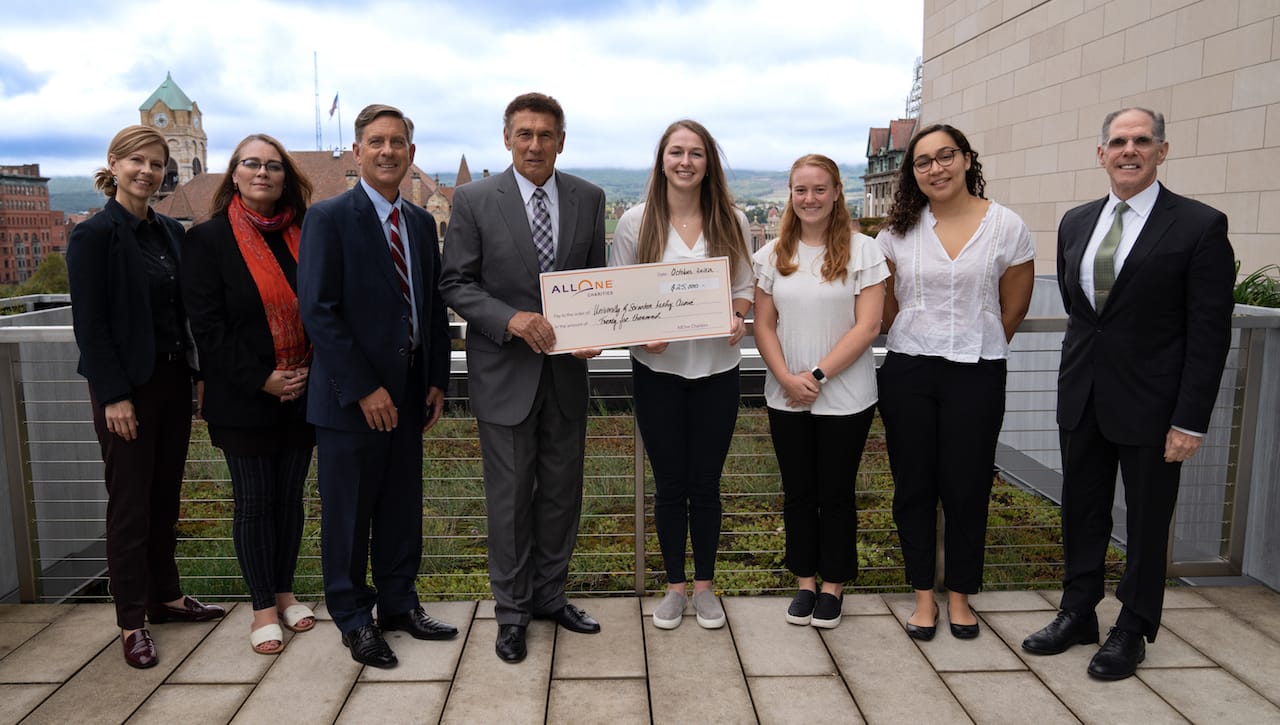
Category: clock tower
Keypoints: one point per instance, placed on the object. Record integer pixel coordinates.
(178, 119)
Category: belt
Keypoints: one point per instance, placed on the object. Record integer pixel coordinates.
(171, 357)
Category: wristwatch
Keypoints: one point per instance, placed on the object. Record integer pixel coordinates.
(818, 375)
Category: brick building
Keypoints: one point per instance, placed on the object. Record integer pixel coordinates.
(29, 229)
(885, 149)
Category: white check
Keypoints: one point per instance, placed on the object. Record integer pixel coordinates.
(638, 304)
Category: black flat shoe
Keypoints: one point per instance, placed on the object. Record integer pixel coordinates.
(924, 634)
(964, 631)
(510, 643)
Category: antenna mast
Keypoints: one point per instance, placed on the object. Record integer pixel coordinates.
(315, 61)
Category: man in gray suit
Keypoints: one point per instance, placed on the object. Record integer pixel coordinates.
(531, 407)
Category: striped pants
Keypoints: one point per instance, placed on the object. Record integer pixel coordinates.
(267, 528)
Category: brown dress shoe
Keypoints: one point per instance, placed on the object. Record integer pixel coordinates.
(139, 650)
(190, 611)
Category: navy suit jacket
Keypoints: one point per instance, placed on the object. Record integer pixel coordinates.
(353, 311)
(1154, 358)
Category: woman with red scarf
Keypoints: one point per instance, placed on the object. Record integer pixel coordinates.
(239, 281)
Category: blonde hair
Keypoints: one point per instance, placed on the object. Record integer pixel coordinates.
(130, 139)
(837, 236)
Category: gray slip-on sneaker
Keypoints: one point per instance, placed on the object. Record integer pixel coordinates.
(707, 606)
(670, 610)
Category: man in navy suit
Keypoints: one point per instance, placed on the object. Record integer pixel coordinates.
(1146, 278)
(531, 406)
(368, 291)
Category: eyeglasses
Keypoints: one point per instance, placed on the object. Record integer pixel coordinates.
(1141, 143)
(253, 165)
(945, 157)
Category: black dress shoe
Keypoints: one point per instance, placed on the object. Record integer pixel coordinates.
(510, 643)
(572, 619)
(924, 634)
(964, 631)
(139, 650)
(1119, 656)
(190, 611)
(1066, 629)
(369, 648)
(418, 624)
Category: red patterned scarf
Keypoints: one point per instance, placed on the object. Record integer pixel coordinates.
(278, 299)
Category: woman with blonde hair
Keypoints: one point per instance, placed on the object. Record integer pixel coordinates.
(136, 353)
(819, 294)
(686, 392)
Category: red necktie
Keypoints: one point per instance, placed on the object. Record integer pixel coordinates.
(402, 268)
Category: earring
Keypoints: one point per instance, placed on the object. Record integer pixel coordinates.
(114, 181)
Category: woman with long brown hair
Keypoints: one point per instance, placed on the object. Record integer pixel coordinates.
(240, 288)
(686, 392)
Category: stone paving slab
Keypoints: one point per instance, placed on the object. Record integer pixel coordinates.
(62, 648)
(767, 645)
(1006, 697)
(588, 702)
(225, 656)
(947, 654)
(617, 650)
(108, 690)
(486, 689)
(191, 705)
(881, 664)
(307, 683)
(378, 703)
(1211, 695)
(1009, 602)
(1066, 675)
(803, 700)
(698, 670)
(1258, 606)
(426, 660)
(18, 700)
(1239, 648)
(44, 613)
(14, 634)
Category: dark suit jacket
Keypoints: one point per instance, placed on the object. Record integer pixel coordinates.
(230, 327)
(1155, 356)
(491, 272)
(353, 311)
(111, 301)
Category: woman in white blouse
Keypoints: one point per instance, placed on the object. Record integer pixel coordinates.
(819, 296)
(962, 279)
(686, 393)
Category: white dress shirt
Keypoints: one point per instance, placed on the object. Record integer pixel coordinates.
(553, 204)
(382, 208)
(1134, 219)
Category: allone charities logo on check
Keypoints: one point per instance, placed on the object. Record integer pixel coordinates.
(586, 285)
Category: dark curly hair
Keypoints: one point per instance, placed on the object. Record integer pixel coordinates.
(909, 200)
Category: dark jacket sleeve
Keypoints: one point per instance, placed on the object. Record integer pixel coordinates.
(89, 275)
(1209, 304)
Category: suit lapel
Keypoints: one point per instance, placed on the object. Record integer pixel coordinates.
(370, 229)
(568, 219)
(415, 221)
(517, 221)
(1152, 232)
(1078, 240)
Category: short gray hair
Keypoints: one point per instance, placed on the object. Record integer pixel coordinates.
(1157, 122)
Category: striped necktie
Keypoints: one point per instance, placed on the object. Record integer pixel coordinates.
(402, 268)
(1104, 263)
(542, 240)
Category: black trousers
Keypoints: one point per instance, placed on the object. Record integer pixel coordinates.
(144, 485)
(267, 527)
(942, 422)
(687, 425)
(818, 457)
(1089, 464)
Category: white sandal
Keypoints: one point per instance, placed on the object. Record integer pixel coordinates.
(295, 613)
(264, 634)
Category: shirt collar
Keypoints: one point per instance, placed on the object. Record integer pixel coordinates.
(1141, 202)
(381, 206)
(526, 188)
(120, 214)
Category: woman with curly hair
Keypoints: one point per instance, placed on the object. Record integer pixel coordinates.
(962, 279)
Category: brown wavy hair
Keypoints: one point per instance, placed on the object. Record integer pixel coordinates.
(837, 236)
(128, 140)
(720, 223)
(296, 189)
(909, 200)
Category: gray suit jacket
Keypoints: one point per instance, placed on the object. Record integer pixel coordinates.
(490, 272)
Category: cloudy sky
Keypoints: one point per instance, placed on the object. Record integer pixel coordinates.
(771, 79)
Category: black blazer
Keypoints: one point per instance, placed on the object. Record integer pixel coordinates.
(229, 324)
(111, 301)
(1155, 356)
(351, 304)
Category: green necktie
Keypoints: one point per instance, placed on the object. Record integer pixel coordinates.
(1104, 264)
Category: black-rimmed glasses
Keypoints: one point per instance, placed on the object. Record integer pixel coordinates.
(945, 157)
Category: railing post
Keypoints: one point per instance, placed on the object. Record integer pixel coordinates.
(639, 515)
(1244, 433)
(17, 467)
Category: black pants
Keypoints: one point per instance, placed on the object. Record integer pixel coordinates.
(1089, 463)
(144, 485)
(818, 457)
(687, 425)
(267, 528)
(942, 421)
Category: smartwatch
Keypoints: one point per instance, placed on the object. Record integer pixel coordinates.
(818, 375)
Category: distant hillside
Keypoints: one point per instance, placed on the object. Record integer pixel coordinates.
(74, 194)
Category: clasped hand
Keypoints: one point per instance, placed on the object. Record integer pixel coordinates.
(287, 384)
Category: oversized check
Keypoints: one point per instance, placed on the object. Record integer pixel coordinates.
(637, 304)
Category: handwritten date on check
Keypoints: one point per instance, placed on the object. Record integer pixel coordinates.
(638, 304)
